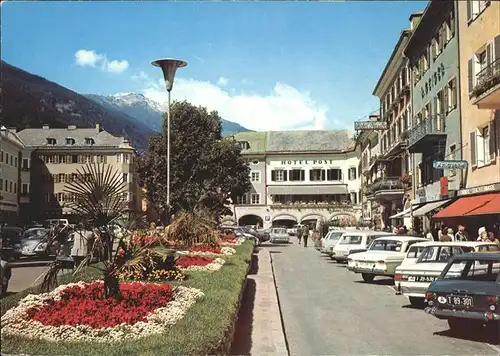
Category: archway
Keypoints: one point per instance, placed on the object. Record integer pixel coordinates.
(311, 219)
(285, 220)
(251, 219)
(343, 219)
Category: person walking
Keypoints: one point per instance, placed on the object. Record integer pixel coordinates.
(306, 234)
(300, 231)
(461, 234)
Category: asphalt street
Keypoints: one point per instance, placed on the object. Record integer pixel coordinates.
(328, 310)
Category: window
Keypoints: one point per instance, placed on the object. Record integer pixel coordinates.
(451, 96)
(118, 158)
(352, 173)
(126, 158)
(255, 198)
(297, 175)
(11, 187)
(1, 156)
(15, 162)
(125, 178)
(26, 164)
(474, 8)
(89, 141)
(11, 160)
(62, 159)
(101, 159)
(474, 270)
(242, 199)
(48, 197)
(486, 144)
(51, 141)
(87, 159)
(354, 197)
(255, 161)
(334, 174)
(62, 178)
(450, 26)
(25, 188)
(1, 184)
(316, 175)
(453, 156)
(60, 197)
(279, 175)
(244, 145)
(70, 141)
(255, 176)
(49, 159)
(414, 252)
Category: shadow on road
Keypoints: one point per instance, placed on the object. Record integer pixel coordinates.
(242, 342)
(379, 282)
(489, 335)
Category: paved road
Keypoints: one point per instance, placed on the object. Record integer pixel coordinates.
(327, 310)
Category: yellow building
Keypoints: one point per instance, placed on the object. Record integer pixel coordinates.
(479, 48)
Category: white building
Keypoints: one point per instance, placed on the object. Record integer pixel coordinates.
(300, 176)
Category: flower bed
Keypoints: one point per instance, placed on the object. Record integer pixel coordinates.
(231, 241)
(79, 312)
(208, 250)
(156, 275)
(199, 263)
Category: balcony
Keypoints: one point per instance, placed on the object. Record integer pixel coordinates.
(486, 92)
(312, 205)
(426, 133)
(388, 189)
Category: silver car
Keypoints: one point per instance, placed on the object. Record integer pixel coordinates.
(279, 234)
(35, 243)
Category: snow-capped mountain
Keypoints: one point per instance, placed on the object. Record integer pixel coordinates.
(148, 111)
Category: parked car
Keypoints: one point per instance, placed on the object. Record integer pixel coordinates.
(331, 240)
(293, 230)
(35, 243)
(279, 234)
(466, 292)
(10, 238)
(240, 232)
(382, 257)
(5, 274)
(353, 242)
(413, 280)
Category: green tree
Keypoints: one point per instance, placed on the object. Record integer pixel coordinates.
(205, 168)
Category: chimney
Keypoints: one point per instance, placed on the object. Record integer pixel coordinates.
(71, 127)
(98, 128)
(45, 127)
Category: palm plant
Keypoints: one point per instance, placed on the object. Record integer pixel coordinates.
(96, 196)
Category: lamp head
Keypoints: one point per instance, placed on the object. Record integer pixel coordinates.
(169, 67)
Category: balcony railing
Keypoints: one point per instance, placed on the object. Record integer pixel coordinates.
(487, 78)
(311, 205)
(433, 125)
(385, 184)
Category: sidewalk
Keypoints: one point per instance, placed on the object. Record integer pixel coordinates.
(261, 331)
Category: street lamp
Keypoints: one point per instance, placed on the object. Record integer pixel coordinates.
(169, 67)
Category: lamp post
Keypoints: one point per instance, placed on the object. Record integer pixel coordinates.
(169, 67)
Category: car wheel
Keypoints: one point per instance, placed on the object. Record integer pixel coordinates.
(459, 326)
(367, 277)
(417, 302)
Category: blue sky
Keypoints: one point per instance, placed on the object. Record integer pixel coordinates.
(277, 65)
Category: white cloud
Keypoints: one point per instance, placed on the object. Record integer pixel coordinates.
(89, 58)
(86, 58)
(117, 66)
(222, 82)
(284, 108)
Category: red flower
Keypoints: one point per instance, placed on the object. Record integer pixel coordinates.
(87, 306)
(188, 261)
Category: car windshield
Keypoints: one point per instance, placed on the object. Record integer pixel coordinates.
(441, 253)
(474, 270)
(279, 231)
(34, 233)
(351, 240)
(386, 245)
(334, 235)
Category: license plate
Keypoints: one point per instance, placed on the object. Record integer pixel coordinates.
(364, 264)
(460, 301)
(421, 278)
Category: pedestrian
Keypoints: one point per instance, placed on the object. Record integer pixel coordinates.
(306, 234)
(428, 235)
(316, 238)
(492, 238)
(300, 232)
(461, 234)
(448, 236)
(483, 235)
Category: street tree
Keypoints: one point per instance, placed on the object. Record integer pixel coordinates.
(205, 168)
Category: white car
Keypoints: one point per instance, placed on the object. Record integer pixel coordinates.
(414, 279)
(354, 241)
(293, 230)
(330, 241)
(382, 257)
(279, 234)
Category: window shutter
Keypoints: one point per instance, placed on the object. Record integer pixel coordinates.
(445, 106)
(472, 143)
(323, 174)
(469, 10)
(273, 176)
(302, 175)
(493, 134)
(471, 74)
(496, 46)
(489, 53)
(285, 176)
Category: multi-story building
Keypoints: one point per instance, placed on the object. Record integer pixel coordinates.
(58, 156)
(300, 176)
(390, 172)
(479, 47)
(14, 176)
(435, 132)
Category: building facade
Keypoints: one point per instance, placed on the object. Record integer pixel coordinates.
(479, 31)
(15, 166)
(435, 133)
(58, 156)
(298, 177)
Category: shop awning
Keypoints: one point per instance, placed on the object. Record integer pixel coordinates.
(403, 214)
(307, 189)
(473, 205)
(429, 207)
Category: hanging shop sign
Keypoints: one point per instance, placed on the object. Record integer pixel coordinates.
(370, 125)
(450, 164)
(433, 80)
(482, 189)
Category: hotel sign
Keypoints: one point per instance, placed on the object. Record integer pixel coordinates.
(305, 161)
(450, 164)
(370, 125)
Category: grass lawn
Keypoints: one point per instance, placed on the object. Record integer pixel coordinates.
(202, 331)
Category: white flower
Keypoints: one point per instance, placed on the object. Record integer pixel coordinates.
(227, 251)
(15, 322)
(215, 265)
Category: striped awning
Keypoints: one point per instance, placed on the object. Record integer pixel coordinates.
(307, 189)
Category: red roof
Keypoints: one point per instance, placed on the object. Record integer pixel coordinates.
(473, 205)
